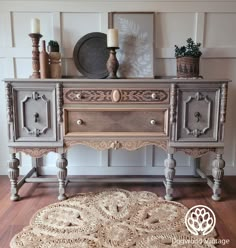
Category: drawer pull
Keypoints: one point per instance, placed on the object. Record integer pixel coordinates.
(153, 122)
(36, 117)
(79, 122)
(116, 95)
(79, 96)
(197, 115)
(154, 96)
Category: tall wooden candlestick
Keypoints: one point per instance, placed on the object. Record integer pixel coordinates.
(35, 54)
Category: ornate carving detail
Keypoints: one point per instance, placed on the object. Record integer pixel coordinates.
(170, 164)
(129, 145)
(195, 152)
(145, 96)
(121, 95)
(218, 165)
(13, 174)
(9, 103)
(198, 97)
(173, 95)
(35, 152)
(61, 175)
(87, 95)
(59, 103)
(35, 131)
(223, 103)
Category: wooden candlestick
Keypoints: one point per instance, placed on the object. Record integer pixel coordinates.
(112, 63)
(35, 54)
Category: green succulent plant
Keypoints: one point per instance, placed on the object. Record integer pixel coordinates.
(192, 49)
(53, 46)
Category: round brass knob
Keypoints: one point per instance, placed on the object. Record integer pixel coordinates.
(154, 95)
(153, 122)
(79, 122)
(79, 96)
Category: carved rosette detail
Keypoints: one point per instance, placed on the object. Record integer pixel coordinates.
(173, 95)
(223, 104)
(129, 145)
(35, 152)
(116, 95)
(9, 103)
(59, 103)
(195, 152)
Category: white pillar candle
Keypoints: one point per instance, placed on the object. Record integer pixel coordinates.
(35, 26)
(112, 38)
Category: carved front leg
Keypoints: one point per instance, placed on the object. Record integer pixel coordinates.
(13, 173)
(170, 164)
(61, 175)
(217, 173)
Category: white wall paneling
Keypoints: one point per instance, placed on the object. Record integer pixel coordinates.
(207, 21)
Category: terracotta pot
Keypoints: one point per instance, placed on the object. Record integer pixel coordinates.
(187, 67)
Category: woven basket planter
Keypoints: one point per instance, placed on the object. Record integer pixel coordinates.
(187, 67)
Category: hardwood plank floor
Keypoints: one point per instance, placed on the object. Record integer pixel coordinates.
(16, 215)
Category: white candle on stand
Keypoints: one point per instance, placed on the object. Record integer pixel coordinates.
(35, 26)
(112, 38)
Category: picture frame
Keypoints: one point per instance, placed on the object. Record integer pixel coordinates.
(136, 43)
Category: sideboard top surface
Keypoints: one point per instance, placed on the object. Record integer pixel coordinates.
(118, 81)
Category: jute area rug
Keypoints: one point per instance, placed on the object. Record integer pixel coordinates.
(114, 218)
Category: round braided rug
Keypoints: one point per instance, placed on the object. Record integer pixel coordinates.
(114, 218)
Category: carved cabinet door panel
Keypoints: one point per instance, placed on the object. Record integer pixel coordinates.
(34, 112)
(198, 114)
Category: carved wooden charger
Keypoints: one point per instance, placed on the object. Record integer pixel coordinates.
(91, 54)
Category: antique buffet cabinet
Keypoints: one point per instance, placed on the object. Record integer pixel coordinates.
(175, 114)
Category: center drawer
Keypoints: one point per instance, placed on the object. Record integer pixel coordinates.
(122, 122)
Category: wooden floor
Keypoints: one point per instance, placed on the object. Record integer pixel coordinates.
(15, 215)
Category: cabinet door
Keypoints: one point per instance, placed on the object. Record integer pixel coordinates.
(34, 114)
(198, 114)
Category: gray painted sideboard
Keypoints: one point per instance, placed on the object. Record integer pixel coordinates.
(175, 114)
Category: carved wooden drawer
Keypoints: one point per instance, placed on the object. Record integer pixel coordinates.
(198, 114)
(159, 96)
(122, 122)
(34, 111)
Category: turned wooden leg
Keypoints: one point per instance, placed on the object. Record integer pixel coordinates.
(13, 174)
(170, 164)
(61, 175)
(218, 165)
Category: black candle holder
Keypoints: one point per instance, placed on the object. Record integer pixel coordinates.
(35, 54)
(112, 63)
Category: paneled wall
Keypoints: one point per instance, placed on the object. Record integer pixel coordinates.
(208, 22)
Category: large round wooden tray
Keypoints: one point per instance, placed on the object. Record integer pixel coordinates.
(91, 54)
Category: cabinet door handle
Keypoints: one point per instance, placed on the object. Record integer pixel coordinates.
(36, 117)
(197, 115)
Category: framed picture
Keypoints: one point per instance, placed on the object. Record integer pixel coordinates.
(136, 43)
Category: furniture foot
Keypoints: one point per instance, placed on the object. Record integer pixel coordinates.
(61, 175)
(13, 174)
(218, 165)
(170, 164)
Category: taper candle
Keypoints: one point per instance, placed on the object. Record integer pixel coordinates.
(35, 26)
(112, 38)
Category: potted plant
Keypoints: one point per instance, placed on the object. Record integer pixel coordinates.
(54, 59)
(187, 58)
(53, 46)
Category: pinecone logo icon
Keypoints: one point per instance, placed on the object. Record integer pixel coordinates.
(200, 220)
